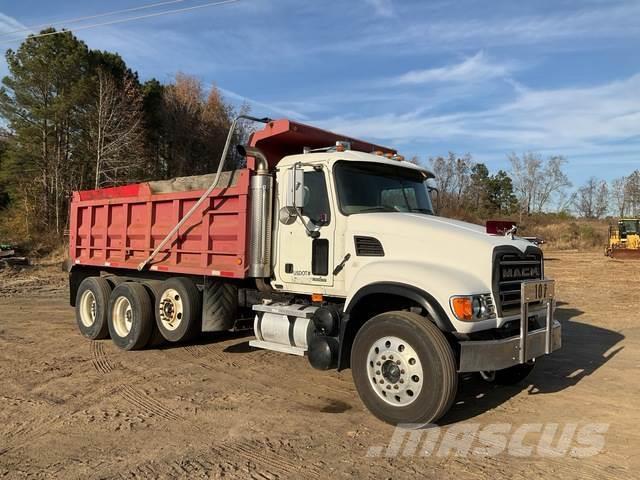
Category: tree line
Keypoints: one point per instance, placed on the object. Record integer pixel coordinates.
(77, 118)
(532, 185)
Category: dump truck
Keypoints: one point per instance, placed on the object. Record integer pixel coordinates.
(624, 239)
(325, 247)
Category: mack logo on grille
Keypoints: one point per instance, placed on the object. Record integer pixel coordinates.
(521, 273)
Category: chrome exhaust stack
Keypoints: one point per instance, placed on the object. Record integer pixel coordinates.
(262, 165)
(261, 214)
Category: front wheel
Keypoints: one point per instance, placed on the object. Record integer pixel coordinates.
(404, 369)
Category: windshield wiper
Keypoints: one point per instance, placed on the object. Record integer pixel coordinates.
(422, 210)
(379, 208)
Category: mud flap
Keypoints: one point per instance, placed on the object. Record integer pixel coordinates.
(219, 305)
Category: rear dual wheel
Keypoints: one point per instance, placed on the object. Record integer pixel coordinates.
(92, 307)
(178, 309)
(130, 316)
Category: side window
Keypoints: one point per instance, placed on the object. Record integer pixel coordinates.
(316, 206)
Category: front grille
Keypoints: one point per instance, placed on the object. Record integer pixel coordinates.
(512, 269)
(368, 247)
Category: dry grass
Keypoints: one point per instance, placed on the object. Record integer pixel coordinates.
(569, 234)
(559, 231)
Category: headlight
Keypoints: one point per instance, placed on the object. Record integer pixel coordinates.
(472, 307)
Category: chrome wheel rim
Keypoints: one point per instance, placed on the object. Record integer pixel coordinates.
(395, 371)
(88, 308)
(171, 309)
(122, 316)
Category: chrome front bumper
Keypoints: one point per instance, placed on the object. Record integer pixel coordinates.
(489, 355)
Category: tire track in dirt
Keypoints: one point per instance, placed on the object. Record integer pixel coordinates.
(188, 468)
(141, 400)
(267, 458)
(254, 363)
(98, 358)
(22, 433)
(132, 395)
(253, 459)
(200, 352)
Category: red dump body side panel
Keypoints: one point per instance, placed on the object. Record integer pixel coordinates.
(119, 227)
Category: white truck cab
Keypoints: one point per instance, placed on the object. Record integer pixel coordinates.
(358, 231)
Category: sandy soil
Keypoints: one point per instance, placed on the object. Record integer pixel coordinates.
(72, 408)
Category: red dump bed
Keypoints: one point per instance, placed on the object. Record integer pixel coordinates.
(119, 227)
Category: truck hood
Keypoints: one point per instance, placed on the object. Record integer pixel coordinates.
(426, 227)
(438, 244)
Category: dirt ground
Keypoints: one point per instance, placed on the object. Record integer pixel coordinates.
(73, 408)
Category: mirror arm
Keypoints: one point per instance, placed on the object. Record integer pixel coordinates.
(311, 233)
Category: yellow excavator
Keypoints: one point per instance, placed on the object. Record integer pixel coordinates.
(624, 239)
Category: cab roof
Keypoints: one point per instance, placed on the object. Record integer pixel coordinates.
(349, 155)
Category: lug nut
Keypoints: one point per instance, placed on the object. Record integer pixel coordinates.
(395, 386)
(398, 362)
(390, 357)
(384, 357)
(377, 372)
(401, 380)
(402, 372)
(388, 387)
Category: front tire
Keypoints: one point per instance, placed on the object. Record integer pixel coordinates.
(404, 369)
(130, 316)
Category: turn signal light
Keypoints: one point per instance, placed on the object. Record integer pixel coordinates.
(462, 307)
(316, 297)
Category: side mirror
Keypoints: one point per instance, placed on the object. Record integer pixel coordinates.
(295, 196)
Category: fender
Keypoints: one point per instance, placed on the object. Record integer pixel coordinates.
(410, 292)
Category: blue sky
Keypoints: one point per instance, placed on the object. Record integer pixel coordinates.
(489, 78)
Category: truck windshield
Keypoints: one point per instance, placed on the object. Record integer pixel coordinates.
(365, 187)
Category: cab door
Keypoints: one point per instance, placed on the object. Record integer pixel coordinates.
(303, 259)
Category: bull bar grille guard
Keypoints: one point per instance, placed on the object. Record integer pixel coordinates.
(490, 355)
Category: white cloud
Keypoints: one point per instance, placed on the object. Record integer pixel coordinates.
(263, 106)
(471, 69)
(422, 32)
(9, 24)
(382, 8)
(567, 118)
